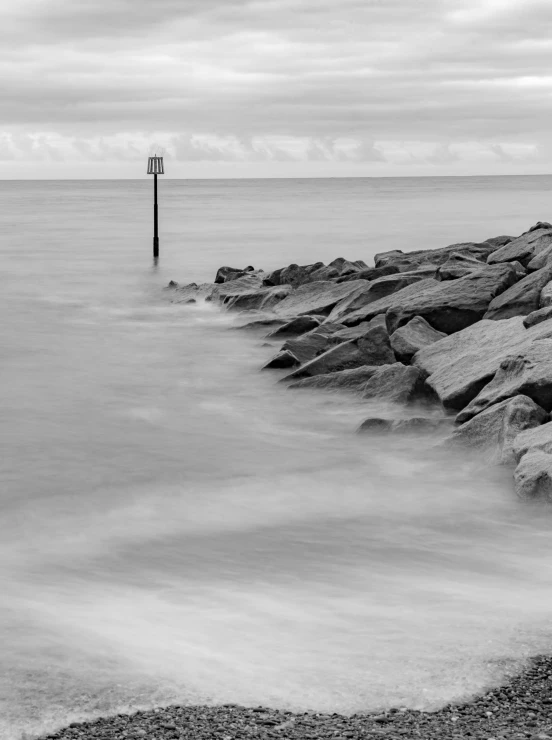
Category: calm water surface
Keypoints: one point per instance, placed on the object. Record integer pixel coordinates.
(175, 526)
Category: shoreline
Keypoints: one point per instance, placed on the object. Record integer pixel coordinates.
(519, 708)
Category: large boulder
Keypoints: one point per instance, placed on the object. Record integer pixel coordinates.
(312, 343)
(538, 439)
(375, 290)
(453, 305)
(527, 373)
(371, 349)
(397, 383)
(412, 260)
(370, 273)
(294, 275)
(262, 299)
(495, 429)
(412, 337)
(347, 267)
(347, 380)
(229, 289)
(500, 241)
(316, 298)
(459, 366)
(458, 265)
(545, 299)
(284, 359)
(296, 327)
(542, 259)
(226, 274)
(520, 299)
(525, 247)
(533, 476)
(381, 306)
(537, 317)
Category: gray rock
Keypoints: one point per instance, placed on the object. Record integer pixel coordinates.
(494, 430)
(459, 366)
(545, 299)
(458, 265)
(538, 439)
(294, 275)
(226, 273)
(520, 299)
(316, 298)
(283, 359)
(375, 425)
(249, 283)
(499, 241)
(313, 343)
(542, 259)
(412, 260)
(527, 373)
(533, 476)
(261, 323)
(397, 383)
(537, 317)
(524, 248)
(422, 425)
(453, 305)
(384, 304)
(296, 327)
(262, 299)
(347, 267)
(347, 380)
(412, 337)
(370, 273)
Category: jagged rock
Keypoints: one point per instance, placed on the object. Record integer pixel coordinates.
(412, 260)
(296, 327)
(545, 299)
(459, 366)
(370, 311)
(397, 383)
(313, 343)
(323, 273)
(494, 430)
(453, 305)
(262, 299)
(316, 298)
(347, 267)
(533, 476)
(249, 283)
(283, 359)
(348, 380)
(499, 241)
(373, 291)
(294, 275)
(458, 265)
(226, 274)
(542, 259)
(527, 373)
(537, 317)
(371, 349)
(520, 299)
(538, 439)
(370, 273)
(525, 247)
(411, 337)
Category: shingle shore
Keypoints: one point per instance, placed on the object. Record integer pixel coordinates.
(520, 709)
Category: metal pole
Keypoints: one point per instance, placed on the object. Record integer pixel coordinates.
(155, 220)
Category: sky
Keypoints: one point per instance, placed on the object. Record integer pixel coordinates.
(275, 88)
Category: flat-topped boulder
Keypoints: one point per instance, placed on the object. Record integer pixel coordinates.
(397, 383)
(344, 380)
(453, 305)
(460, 365)
(522, 298)
(316, 298)
(527, 372)
(525, 247)
(494, 431)
(412, 337)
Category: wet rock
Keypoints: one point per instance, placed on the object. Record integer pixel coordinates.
(262, 299)
(249, 283)
(520, 299)
(296, 327)
(537, 317)
(226, 273)
(294, 275)
(261, 323)
(436, 257)
(527, 373)
(311, 344)
(375, 424)
(316, 298)
(525, 247)
(533, 476)
(370, 273)
(538, 439)
(283, 359)
(412, 337)
(397, 383)
(453, 305)
(347, 380)
(422, 425)
(381, 306)
(545, 299)
(494, 430)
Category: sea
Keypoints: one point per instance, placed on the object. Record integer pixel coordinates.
(178, 526)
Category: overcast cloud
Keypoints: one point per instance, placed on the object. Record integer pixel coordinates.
(275, 87)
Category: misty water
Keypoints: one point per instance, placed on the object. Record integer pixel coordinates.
(176, 526)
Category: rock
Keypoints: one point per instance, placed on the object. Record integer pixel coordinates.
(520, 299)
(348, 380)
(538, 439)
(374, 424)
(316, 298)
(371, 349)
(261, 323)
(545, 299)
(458, 265)
(411, 337)
(249, 283)
(225, 274)
(294, 275)
(296, 327)
(542, 259)
(347, 267)
(262, 299)
(283, 359)
(533, 476)
(459, 366)
(422, 425)
(524, 248)
(536, 317)
(453, 305)
(412, 260)
(381, 306)
(191, 292)
(323, 273)
(499, 241)
(397, 383)
(527, 373)
(370, 273)
(493, 431)
(311, 344)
